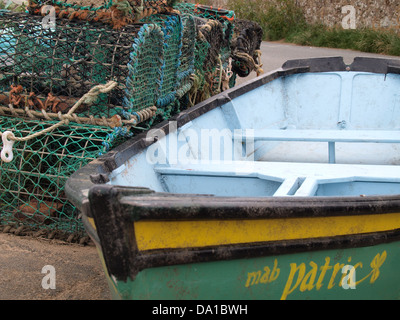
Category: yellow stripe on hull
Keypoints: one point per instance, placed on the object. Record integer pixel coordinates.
(201, 233)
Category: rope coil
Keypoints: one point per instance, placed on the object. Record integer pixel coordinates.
(250, 61)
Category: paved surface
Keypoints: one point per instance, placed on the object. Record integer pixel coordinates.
(78, 272)
(274, 54)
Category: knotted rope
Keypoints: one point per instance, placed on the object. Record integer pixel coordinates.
(88, 98)
(249, 60)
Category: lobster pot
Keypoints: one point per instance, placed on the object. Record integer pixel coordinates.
(32, 185)
(212, 33)
(225, 17)
(59, 65)
(159, 65)
(245, 46)
(186, 66)
(208, 61)
(212, 48)
(145, 69)
(171, 26)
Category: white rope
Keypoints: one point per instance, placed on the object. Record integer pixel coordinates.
(8, 137)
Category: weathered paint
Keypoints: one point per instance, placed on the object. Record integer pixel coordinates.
(312, 275)
(188, 234)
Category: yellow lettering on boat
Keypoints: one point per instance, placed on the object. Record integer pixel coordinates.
(289, 287)
(266, 277)
(308, 277)
(324, 269)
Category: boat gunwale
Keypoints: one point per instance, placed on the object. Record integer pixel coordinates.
(160, 205)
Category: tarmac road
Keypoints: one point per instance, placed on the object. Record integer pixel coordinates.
(274, 54)
(78, 271)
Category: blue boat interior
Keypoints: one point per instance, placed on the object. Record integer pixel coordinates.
(307, 134)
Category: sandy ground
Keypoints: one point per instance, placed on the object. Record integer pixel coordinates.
(78, 271)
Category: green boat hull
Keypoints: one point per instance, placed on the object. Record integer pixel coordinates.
(314, 275)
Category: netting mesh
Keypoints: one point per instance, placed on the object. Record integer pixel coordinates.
(171, 27)
(173, 56)
(145, 74)
(32, 185)
(186, 66)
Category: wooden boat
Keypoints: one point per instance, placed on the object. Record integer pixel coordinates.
(286, 187)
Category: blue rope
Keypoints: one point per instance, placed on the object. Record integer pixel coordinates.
(112, 138)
